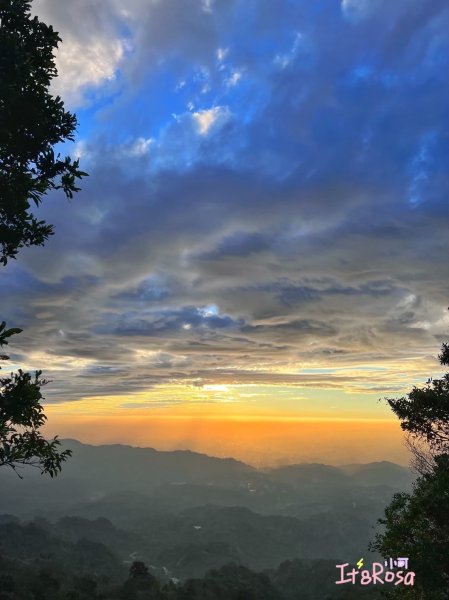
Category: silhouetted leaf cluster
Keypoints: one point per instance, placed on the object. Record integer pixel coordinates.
(424, 413)
(21, 416)
(31, 123)
(416, 525)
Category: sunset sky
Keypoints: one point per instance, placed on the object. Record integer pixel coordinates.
(261, 250)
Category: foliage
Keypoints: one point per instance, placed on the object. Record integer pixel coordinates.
(141, 584)
(56, 569)
(424, 415)
(31, 123)
(21, 416)
(138, 569)
(416, 525)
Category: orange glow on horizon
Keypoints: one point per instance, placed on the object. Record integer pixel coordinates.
(260, 441)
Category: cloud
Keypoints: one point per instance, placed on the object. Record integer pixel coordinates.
(113, 42)
(296, 219)
(222, 53)
(140, 147)
(208, 119)
(85, 67)
(89, 56)
(360, 8)
(234, 78)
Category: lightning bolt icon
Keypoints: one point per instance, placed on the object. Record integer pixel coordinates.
(360, 563)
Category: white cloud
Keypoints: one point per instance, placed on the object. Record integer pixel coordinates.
(159, 358)
(234, 78)
(283, 60)
(361, 9)
(207, 5)
(222, 53)
(98, 35)
(354, 7)
(210, 118)
(91, 48)
(81, 150)
(140, 146)
(83, 65)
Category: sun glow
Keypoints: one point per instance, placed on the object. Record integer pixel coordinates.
(216, 387)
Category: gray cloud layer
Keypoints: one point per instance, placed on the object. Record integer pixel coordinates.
(309, 227)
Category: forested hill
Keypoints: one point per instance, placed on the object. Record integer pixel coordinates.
(41, 561)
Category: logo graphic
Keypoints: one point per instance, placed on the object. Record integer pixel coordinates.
(377, 574)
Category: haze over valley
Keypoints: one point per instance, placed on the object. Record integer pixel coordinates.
(186, 513)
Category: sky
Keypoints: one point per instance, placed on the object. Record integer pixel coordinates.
(260, 251)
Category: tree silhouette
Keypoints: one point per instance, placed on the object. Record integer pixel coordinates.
(416, 525)
(141, 584)
(138, 569)
(424, 416)
(32, 122)
(21, 416)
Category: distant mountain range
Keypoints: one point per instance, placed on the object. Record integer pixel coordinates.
(104, 476)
